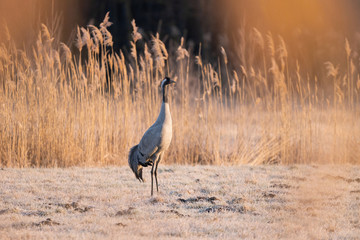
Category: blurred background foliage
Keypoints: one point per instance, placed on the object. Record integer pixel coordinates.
(260, 81)
(310, 28)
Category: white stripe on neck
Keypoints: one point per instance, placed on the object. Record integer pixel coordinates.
(163, 82)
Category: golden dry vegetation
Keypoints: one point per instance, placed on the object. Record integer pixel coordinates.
(87, 106)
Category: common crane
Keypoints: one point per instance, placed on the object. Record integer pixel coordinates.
(154, 142)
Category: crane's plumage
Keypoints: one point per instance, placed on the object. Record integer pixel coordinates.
(154, 142)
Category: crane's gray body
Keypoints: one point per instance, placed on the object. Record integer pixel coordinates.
(154, 142)
(158, 137)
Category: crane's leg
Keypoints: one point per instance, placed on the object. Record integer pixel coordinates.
(152, 174)
(156, 167)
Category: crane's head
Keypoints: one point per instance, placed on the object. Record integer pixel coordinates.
(166, 81)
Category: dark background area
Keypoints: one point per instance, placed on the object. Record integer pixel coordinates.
(172, 19)
(311, 28)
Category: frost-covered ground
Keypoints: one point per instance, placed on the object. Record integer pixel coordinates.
(194, 202)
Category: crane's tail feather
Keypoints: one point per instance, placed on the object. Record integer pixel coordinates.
(134, 163)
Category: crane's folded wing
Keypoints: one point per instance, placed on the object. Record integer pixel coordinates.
(150, 141)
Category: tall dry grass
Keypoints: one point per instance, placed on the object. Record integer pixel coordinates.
(87, 108)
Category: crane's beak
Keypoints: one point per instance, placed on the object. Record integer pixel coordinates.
(172, 81)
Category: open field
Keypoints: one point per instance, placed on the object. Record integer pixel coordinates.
(194, 202)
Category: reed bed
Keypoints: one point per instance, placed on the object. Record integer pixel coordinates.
(87, 106)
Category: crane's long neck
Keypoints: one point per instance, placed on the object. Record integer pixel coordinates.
(165, 95)
(164, 115)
